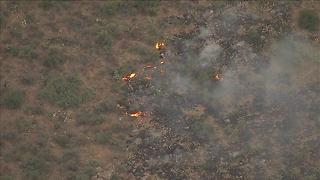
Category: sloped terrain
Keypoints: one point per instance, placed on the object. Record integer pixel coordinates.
(160, 90)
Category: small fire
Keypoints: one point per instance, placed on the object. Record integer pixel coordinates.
(148, 66)
(148, 78)
(132, 75)
(217, 77)
(129, 76)
(159, 45)
(136, 114)
(161, 62)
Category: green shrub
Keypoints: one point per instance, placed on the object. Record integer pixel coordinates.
(88, 171)
(114, 177)
(63, 140)
(110, 8)
(2, 19)
(255, 148)
(27, 79)
(308, 20)
(254, 38)
(104, 137)
(69, 155)
(35, 110)
(14, 51)
(90, 118)
(201, 130)
(7, 177)
(54, 58)
(16, 33)
(104, 39)
(13, 99)
(46, 4)
(35, 167)
(70, 164)
(28, 52)
(130, 7)
(23, 125)
(63, 91)
(145, 7)
(147, 54)
(105, 106)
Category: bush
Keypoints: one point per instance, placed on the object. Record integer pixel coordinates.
(27, 79)
(2, 19)
(63, 140)
(110, 8)
(201, 131)
(46, 4)
(104, 39)
(28, 52)
(145, 7)
(88, 171)
(70, 163)
(90, 118)
(13, 99)
(130, 7)
(106, 106)
(35, 110)
(253, 37)
(36, 168)
(14, 51)
(63, 91)
(104, 137)
(7, 177)
(147, 54)
(308, 20)
(16, 33)
(53, 59)
(23, 125)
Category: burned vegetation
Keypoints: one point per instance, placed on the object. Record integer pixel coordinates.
(160, 90)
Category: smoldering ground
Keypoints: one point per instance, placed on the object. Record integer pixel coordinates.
(263, 103)
(261, 119)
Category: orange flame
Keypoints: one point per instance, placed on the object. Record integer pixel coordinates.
(149, 66)
(148, 78)
(217, 77)
(132, 75)
(129, 76)
(136, 114)
(161, 62)
(159, 45)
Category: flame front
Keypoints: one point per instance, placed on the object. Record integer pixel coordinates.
(132, 75)
(159, 45)
(148, 78)
(136, 114)
(161, 62)
(217, 77)
(129, 76)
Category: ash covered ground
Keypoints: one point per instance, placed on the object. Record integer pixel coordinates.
(226, 105)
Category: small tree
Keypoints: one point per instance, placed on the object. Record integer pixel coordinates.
(13, 99)
(308, 20)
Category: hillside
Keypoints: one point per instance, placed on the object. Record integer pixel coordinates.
(159, 90)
